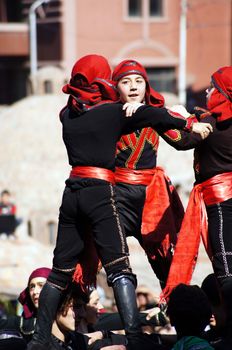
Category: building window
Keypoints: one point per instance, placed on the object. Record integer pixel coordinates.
(141, 8)
(10, 11)
(135, 8)
(29, 228)
(162, 79)
(48, 87)
(52, 232)
(156, 8)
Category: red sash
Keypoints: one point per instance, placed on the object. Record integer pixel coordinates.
(93, 172)
(134, 177)
(163, 211)
(212, 191)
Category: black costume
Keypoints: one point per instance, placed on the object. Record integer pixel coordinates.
(137, 152)
(93, 198)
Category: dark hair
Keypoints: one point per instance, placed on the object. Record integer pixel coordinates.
(5, 192)
(72, 294)
(189, 309)
(211, 288)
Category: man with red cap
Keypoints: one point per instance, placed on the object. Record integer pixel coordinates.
(92, 125)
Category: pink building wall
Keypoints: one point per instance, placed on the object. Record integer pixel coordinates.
(90, 26)
(104, 28)
(209, 39)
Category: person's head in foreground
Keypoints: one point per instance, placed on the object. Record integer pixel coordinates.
(189, 310)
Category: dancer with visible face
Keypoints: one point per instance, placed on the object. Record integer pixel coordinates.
(148, 203)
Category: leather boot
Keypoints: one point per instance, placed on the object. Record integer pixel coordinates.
(48, 304)
(124, 294)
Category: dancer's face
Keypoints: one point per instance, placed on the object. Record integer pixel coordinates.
(132, 88)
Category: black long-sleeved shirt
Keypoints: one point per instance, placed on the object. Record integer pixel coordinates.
(213, 155)
(90, 138)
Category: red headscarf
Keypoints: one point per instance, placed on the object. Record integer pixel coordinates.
(128, 67)
(96, 87)
(29, 309)
(220, 102)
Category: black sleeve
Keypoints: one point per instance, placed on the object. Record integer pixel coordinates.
(159, 119)
(112, 321)
(181, 140)
(108, 322)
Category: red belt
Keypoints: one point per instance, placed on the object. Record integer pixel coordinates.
(93, 172)
(134, 177)
(217, 189)
(158, 204)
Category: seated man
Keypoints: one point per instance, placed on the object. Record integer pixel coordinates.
(8, 220)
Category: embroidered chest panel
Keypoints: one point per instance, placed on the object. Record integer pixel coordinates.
(134, 146)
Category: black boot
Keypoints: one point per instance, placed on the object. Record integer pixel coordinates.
(48, 303)
(124, 294)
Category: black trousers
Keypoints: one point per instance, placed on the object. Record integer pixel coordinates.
(220, 235)
(89, 202)
(130, 203)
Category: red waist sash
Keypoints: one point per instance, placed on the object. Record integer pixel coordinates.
(93, 172)
(134, 177)
(212, 191)
(162, 212)
(217, 189)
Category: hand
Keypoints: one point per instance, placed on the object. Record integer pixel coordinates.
(179, 109)
(158, 316)
(203, 129)
(152, 312)
(131, 108)
(94, 336)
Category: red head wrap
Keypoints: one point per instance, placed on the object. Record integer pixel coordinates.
(29, 309)
(128, 67)
(220, 102)
(96, 88)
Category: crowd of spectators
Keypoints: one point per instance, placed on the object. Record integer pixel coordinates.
(193, 319)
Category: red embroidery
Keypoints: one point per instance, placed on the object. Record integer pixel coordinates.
(136, 144)
(173, 134)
